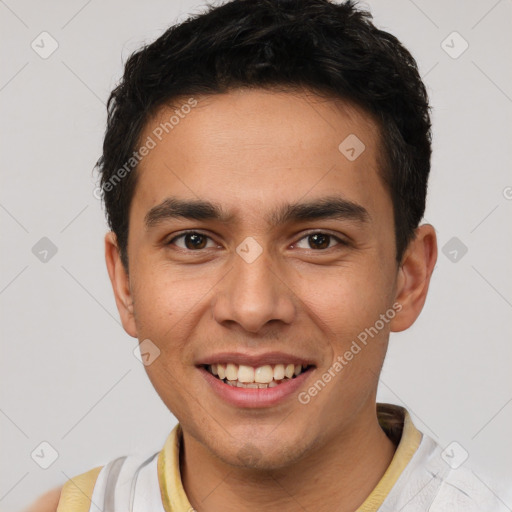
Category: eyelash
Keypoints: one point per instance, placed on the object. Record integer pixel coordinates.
(340, 241)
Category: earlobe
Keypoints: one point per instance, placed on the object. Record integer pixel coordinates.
(120, 284)
(414, 277)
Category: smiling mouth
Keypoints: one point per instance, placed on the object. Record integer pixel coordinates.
(266, 376)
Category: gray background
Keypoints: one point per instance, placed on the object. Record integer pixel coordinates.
(68, 373)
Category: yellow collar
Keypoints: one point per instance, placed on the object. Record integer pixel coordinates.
(397, 424)
(394, 420)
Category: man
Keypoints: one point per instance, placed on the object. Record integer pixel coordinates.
(264, 172)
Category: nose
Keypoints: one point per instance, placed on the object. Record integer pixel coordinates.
(252, 295)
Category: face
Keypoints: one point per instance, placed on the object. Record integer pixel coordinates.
(257, 243)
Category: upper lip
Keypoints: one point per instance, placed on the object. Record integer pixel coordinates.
(254, 360)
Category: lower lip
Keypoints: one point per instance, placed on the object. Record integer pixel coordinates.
(251, 397)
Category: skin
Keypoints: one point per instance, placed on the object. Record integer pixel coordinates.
(251, 151)
(47, 502)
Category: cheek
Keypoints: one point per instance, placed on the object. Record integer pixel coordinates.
(349, 299)
(164, 303)
(158, 287)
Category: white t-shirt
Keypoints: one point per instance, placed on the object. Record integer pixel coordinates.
(420, 478)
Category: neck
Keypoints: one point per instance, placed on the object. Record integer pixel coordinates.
(339, 475)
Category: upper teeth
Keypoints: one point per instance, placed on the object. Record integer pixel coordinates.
(262, 374)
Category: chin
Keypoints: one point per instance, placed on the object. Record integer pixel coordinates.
(262, 456)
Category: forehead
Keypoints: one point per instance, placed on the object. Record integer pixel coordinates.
(251, 147)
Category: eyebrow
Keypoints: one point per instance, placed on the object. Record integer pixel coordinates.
(331, 207)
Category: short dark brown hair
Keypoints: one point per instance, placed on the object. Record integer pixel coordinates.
(331, 49)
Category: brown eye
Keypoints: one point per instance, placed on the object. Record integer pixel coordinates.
(191, 241)
(195, 241)
(319, 241)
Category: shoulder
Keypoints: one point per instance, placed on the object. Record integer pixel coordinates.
(77, 492)
(466, 489)
(435, 478)
(117, 478)
(75, 495)
(122, 480)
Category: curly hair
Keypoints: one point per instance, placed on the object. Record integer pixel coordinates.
(332, 49)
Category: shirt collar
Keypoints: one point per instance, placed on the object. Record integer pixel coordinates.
(393, 419)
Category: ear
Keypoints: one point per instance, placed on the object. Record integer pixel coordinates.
(414, 277)
(120, 283)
